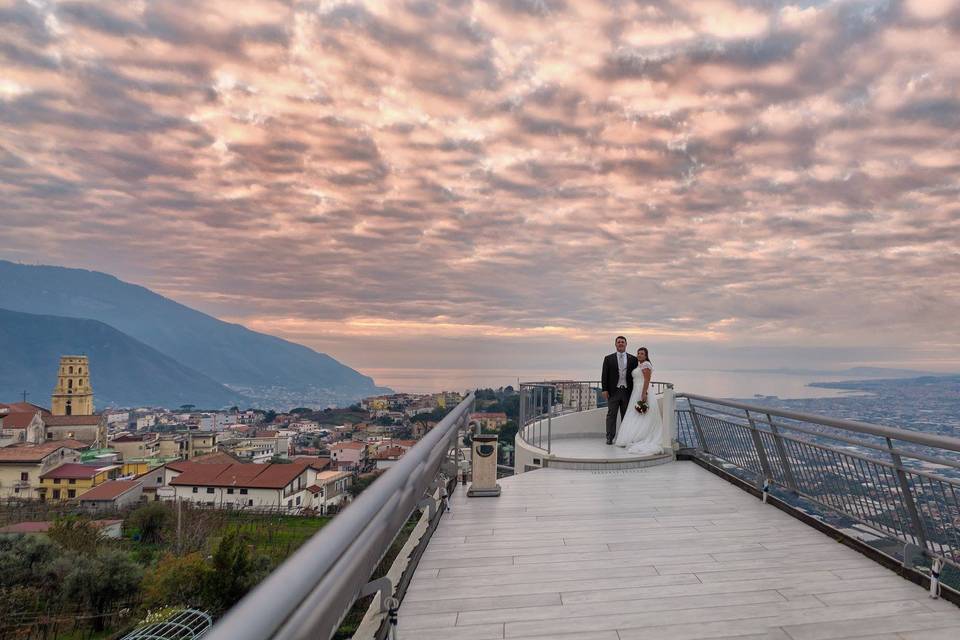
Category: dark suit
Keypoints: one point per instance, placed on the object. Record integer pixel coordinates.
(617, 398)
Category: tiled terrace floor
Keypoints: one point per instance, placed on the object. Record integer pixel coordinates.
(589, 449)
(669, 552)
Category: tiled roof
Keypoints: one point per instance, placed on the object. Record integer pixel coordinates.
(29, 452)
(325, 477)
(72, 470)
(70, 443)
(218, 457)
(136, 438)
(315, 461)
(390, 453)
(110, 490)
(71, 421)
(252, 476)
(348, 445)
(24, 407)
(19, 420)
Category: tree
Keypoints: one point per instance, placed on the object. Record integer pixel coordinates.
(232, 573)
(361, 483)
(269, 416)
(177, 581)
(102, 582)
(75, 534)
(300, 410)
(151, 521)
(188, 407)
(278, 459)
(25, 560)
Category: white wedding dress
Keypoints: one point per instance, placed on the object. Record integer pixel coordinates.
(641, 433)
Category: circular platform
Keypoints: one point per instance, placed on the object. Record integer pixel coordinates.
(591, 453)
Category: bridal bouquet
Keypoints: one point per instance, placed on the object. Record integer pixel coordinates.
(642, 407)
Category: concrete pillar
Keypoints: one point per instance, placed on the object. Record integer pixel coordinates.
(668, 413)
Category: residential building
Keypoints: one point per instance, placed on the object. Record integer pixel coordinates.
(68, 481)
(577, 396)
(21, 426)
(112, 495)
(348, 455)
(386, 458)
(21, 467)
(491, 421)
(86, 428)
(447, 399)
(330, 490)
(141, 445)
(239, 485)
(201, 443)
(260, 448)
(174, 445)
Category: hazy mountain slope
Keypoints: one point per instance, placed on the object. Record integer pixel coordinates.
(124, 371)
(228, 353)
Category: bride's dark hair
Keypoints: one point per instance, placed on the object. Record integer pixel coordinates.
(646, 351)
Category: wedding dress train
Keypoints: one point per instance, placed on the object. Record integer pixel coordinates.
(641, 433)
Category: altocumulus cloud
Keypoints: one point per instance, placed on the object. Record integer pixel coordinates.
(697, 170)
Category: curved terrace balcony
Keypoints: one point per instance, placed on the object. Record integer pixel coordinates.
(563, 426)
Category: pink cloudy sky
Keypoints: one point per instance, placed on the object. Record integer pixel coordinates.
(504, 184)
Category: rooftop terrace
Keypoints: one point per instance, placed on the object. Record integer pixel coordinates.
(586, 542)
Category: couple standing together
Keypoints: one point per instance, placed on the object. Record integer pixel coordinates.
(626, 382)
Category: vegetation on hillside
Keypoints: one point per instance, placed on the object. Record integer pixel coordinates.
(74, 581)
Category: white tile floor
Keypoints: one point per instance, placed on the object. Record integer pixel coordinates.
(668, 552)
(588, 449)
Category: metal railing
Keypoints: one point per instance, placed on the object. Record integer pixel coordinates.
(541, 402)
(309, 594)
(902, 484)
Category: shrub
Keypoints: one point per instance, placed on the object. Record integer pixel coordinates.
(75, 534)
(152, 521)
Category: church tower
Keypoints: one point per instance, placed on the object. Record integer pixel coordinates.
(73, 395)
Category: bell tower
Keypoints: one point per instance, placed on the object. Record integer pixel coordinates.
(73, 395)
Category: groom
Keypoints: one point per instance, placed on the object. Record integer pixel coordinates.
(617, 384)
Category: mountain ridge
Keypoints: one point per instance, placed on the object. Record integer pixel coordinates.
(124, 372)
(262, 366)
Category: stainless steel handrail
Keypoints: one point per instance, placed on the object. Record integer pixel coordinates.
(308, 595)
(918, 437)
(890, 488)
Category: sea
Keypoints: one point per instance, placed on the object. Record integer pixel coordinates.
(718, 384)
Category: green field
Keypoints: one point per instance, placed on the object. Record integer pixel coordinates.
(275, 536)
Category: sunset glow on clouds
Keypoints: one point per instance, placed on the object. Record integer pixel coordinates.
(364, 176)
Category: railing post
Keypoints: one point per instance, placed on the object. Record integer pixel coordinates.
(782, 454)
(699, 429)
(765, 473)
(908, 500)
(550, 419)
(522, 417)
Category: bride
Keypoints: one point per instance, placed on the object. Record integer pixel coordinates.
(641, 433)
